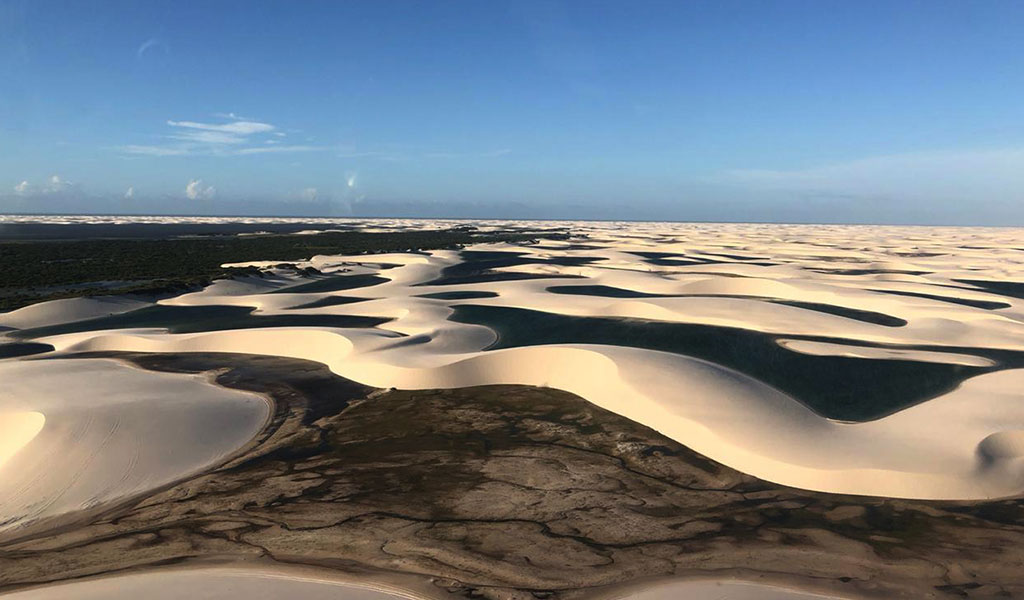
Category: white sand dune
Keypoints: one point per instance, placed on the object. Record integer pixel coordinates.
(215, 583)
(67, 310)
(83, 433)
(960, 445)
(831, 349)
(279, 583)
(927, 451)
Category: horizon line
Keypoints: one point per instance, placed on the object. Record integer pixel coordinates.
(448, 218)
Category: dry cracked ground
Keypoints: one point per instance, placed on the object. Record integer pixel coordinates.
(512, 492)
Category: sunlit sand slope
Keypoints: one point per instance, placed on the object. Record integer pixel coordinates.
(17, 428)
(81, 434)
(285, 584)
(216, 583)
(69, 309)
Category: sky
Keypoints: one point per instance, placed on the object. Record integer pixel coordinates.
(785, 111)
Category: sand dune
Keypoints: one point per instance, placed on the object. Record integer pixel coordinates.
(67, 310)
(928, 451)
(213, 583)
(283, 583)
(830, 349)
(80, 434)
(960, 444)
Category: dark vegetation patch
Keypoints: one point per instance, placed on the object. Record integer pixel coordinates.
(47, 270)
(463, 295)
(83, 231)
(837, 387)
(193, 319)
(301, 271)
(10, 350)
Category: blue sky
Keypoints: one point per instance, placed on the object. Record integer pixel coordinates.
(904, 112)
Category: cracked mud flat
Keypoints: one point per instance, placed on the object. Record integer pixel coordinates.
(512, 491)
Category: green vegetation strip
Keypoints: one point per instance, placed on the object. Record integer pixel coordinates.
(47, 270)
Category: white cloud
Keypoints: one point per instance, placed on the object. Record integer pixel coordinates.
(217, 134)
(351, 180)
(238, 137)
(238, 127)
(195, 190)
(309, 194)
(129, 193)
(53, 185)
(208, 138)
